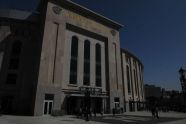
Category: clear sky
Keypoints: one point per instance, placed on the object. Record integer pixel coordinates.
(154, 30)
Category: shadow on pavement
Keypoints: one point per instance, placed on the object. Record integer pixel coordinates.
(67, 120)
(132, 119)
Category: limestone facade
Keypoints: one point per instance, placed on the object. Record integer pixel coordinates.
(56, 73)
(132, 72)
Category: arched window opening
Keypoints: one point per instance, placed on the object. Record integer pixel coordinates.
(14, 62)
(73, 61)
(86, 75)
(98, 65)
(128, 80)
(15, 55)
(16, 47)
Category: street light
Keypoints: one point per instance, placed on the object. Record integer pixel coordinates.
(182, 79)
(87, 101)
(183, 83)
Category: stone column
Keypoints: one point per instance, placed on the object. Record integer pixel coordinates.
(135, 105)
(66, 59)
(127, 106)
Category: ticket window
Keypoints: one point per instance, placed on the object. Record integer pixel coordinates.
(48, 104)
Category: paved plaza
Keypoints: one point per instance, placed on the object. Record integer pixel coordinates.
(126, 118)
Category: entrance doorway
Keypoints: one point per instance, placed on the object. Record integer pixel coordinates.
(117, 104)
(6, 104)
(131, 106)
(96, 104)
(74, 104)
(48, 105)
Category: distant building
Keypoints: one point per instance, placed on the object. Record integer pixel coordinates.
(50, 58)
(132, 71)
(169, 93)
(152, 91)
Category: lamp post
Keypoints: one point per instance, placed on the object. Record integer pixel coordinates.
(183, 82)
(87, 103)
(182, 79)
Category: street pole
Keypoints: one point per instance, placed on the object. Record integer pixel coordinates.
(183, 82)
(87, 103)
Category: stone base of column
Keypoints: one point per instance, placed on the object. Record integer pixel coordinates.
(127, 107)
(135, 106)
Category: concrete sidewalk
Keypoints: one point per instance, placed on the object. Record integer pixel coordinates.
(162, 114)
(170, 114)
(126, 118)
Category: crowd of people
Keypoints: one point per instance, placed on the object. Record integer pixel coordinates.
(87, 113)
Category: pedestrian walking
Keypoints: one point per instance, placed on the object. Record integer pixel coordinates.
(90, 112)
(113, 111)
(87, 114)
(152, 108)
(80, 112)
(94, 112)
(156, 112)
(0, 109)
(101, 112)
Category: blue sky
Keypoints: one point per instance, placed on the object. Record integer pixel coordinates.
(154, 30)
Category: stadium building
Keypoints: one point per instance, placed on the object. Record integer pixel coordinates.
(50, 59)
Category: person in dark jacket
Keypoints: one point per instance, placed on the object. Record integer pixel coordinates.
(113, 111)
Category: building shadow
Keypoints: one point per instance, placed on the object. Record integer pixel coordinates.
(125, 119)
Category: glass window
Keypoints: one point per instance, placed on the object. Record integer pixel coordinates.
(98, 53)
(86, 75)
(86, 68)
(16, 47)
(135, 81)
(74, 46)
(86, 80)
(1, 59)
(14, 64)
(11, 78)
(73, 65)
(15, 55)
(98, 81)
(87, 50)
(73, 61)
(128, 80)
(98, 65)
(98, 69)
(73, 78)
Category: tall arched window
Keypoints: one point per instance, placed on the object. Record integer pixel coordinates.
(1, 59)
(86, 76)
(135, 82)
(98, 65)
(73, 61)
(128, 79)
(14, 62)
(15, 55)
(16, 47)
